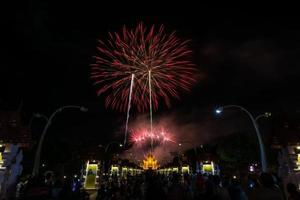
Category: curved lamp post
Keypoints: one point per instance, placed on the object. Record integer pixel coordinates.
(254, 122)
(37, 158)
(267, 114)
(108, 145)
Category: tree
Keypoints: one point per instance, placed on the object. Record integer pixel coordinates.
(236, 151)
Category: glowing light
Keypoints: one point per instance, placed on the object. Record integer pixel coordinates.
(208, 167)
(83, 109)
(219, 110)
(114, 170)
(140, 136)
(185, 169)
(149, 163)
(90, 176)
(268, 114)
(175, 169)
(298, 159)
(142, 51)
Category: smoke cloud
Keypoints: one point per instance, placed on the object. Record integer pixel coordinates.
(184, 128)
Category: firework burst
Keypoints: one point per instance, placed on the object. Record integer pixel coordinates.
(158, 136)
(148, 55)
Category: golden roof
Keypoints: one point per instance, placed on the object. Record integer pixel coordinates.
(149, 163)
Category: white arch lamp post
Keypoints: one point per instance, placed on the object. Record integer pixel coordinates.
(254, 122)
(37, 158)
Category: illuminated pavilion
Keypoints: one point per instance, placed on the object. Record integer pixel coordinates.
(149, 163)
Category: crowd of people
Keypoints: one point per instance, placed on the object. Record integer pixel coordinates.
(151, 186)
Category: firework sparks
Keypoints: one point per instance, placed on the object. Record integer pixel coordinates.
(158, 136)
(141, 52)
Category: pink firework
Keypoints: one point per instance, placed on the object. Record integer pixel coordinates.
(157, 60)
(142, 136)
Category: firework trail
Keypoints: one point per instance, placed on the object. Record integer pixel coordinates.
(128, 108)
(150, 106)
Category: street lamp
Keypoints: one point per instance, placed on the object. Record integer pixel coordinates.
(219, 110)
(254, 122)
(108, 145)
(266, 115)
(37, 158)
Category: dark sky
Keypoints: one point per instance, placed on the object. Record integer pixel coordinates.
(245, 58)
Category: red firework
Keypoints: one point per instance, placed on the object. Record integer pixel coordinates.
(155, 58)
(142, 136)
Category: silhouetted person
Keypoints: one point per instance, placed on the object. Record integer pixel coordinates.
(210, 188)
(154, 189)
(268, 191)
(293, 192)
(56, 189)
(221, 193)
(36, 189)
(236, 191)
(176, 190)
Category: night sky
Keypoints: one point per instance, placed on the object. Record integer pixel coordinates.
(245, 58)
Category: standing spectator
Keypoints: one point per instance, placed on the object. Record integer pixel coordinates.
(221, 193)
(268, 191)
(293, 192)
(236, 191)
(176, 191)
